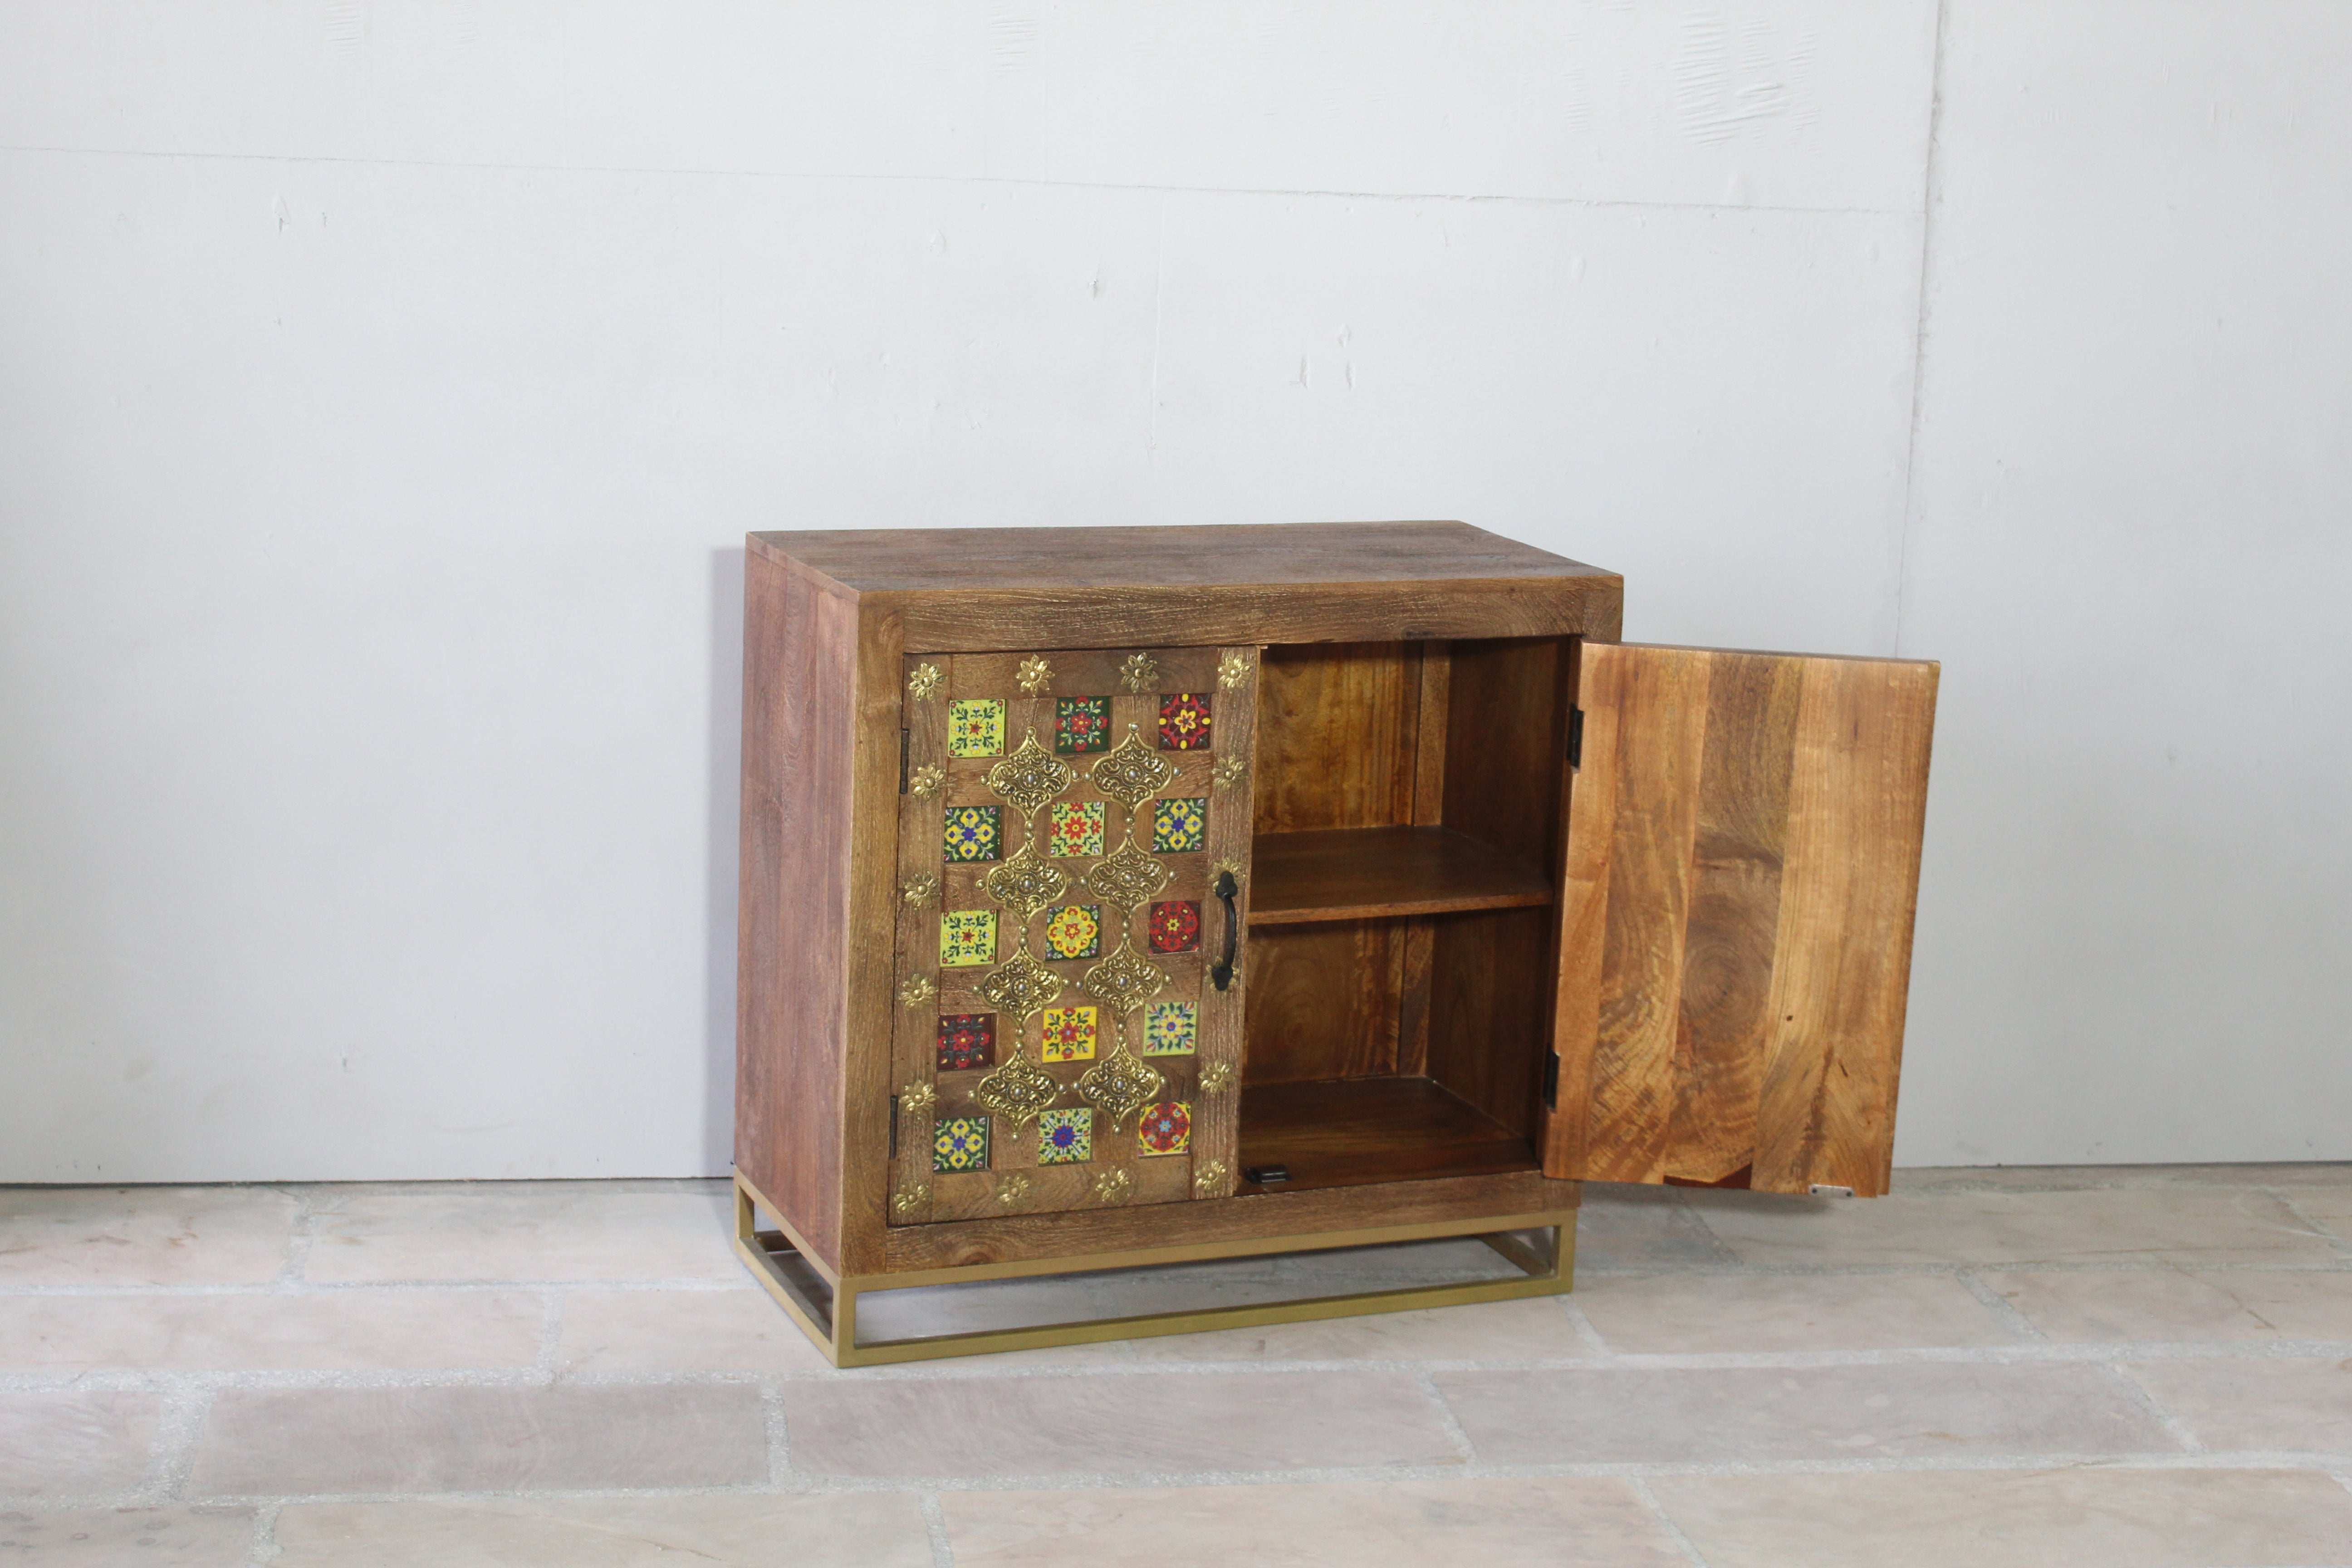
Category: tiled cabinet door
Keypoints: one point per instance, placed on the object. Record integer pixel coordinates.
(1074, 840)
(1743, 860)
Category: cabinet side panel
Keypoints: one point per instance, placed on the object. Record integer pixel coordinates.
(793, 959)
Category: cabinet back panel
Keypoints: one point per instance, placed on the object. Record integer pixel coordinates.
(1335, 736)
(1322, 1001)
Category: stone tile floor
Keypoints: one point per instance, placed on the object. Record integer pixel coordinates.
(2116, 1368)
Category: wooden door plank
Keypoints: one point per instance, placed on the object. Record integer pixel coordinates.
(1734, 898)
(1857, 814)
(1742, 865)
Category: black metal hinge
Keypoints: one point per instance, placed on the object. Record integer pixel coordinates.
(1552, 1081)
(894, 1124)
(1576, 737)
(902, 762)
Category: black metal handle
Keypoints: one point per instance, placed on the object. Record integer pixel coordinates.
(1220, 973)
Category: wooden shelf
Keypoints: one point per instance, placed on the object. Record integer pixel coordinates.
(1347, 1132)
(1364, 873)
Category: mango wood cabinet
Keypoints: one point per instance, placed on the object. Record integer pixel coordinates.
(1117, 895)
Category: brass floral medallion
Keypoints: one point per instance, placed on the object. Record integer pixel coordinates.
(918, 1097)
(1011, 1190)
(912, 1197)
(1036, 676)
(926, 781)
(1132, 772)
(1216, 1077)
(923, 682)
(1228, 771)
(1025, 883)
(1118, 1086)
(1031, 776)
(1020, 985)
(1017, 1091)
(1123, 981)
(917, 990)
(1114, 1184)
(1127, 877)
(1232, 670)
(922, 889)
(1139, 672)
(1209, 1179)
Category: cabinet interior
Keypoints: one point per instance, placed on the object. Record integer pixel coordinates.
(1407, 809)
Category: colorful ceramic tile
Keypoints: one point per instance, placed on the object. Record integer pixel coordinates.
(967, 1041)
(967, 937)
(1179, 826)
(972, 833)
(961, 1144)
(1175, 926)
(1081, 724)
(976, 727)
(1074, 931)
(1184, 721)
(1171, 1028)
(1065, 1137)
(1070, 1034)
(1164, 1129)
(1076, 828)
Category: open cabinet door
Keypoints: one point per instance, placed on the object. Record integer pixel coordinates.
(1743, 863)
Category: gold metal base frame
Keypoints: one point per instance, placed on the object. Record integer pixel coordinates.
(825, 1304)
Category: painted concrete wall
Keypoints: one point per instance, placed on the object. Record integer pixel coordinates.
(384, 390)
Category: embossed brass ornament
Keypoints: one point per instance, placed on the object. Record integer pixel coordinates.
(918, 1097)
(1118, 1086)
(1132, 772)
(1216, 1077)
(925, 781)
(1036, 676)
(1209, 1178)
(1123, 981)
(1139, 672)
(1018, 1090)
(1114, 1184)
(923, 682)
(1012, 1189)
(917, 990)
(1025, 883)
(912, 1197)
(1239, 872)
(922, 889)
(1031, 776)
(1020, 985)
(1127, 877)
(1228, 771)
(1232, 670)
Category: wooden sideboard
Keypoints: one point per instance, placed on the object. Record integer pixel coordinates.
(1116, 896)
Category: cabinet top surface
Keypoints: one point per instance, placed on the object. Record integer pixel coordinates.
(951, 559)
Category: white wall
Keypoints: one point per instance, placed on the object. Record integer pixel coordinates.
(384, 390)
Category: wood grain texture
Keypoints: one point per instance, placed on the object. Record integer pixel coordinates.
(1857, 811)
(1347, 1132)
(1362, 873)
(1086, 1233)
(1006, 589)
(1337, 725)
(1323, 1000)
(1490, 998)
(1295, 554)
(792, 934)
(1742, 867)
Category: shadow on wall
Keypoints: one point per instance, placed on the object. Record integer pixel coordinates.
(726, 793)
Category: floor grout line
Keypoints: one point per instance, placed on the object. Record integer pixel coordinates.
(935, 1522)
(1666, 1522)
